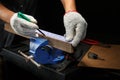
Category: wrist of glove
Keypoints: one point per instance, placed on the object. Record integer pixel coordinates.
(75, 27)
(22, 26)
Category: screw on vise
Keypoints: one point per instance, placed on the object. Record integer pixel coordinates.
(29, 58)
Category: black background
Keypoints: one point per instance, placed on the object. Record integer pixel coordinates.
(102, 17)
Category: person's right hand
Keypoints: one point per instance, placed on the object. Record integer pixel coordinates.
(22, 26)
(75, 26)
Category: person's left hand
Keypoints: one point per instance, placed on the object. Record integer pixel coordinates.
(75, 26)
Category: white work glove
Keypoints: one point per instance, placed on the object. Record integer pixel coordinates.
(75, 26)
(22, 26)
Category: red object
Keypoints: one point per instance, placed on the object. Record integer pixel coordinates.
(91, 41)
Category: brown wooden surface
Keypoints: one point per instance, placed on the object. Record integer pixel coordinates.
(109, 57)
(67, 47)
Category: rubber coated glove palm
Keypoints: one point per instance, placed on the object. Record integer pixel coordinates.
(75, 26)
(24, 27)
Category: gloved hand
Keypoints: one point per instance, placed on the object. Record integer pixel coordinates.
(75, 26)
(22, 26)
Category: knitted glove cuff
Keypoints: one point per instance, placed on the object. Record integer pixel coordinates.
(70, 11)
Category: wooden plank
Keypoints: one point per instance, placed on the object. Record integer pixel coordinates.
(57, 43)
(107, 57)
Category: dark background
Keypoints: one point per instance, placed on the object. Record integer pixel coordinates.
(102, 17)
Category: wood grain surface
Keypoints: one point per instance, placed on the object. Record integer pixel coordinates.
(65, 46)
(107, 57)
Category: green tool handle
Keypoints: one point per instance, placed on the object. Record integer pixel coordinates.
(21, 15)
